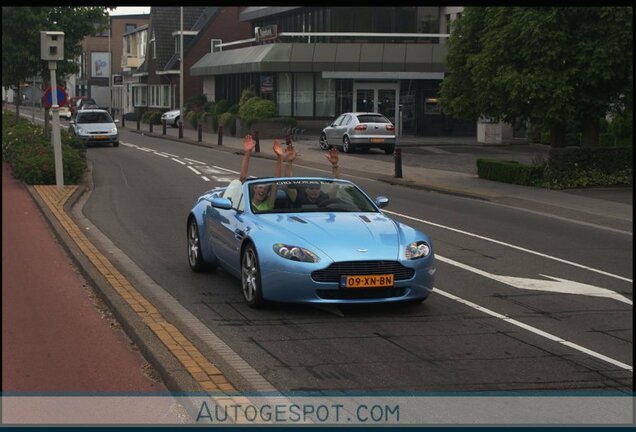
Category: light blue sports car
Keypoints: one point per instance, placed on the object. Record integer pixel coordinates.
(314, 240)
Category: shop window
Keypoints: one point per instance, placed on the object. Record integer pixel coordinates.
(283, 94)
(431, 106)
(303, 94)
(325, 97)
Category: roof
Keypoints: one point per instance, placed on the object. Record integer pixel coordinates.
(255, 12)
(320, 57)
(163, 21)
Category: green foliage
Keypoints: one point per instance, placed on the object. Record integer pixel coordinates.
(196, 103)
(27, 148)
(622, 127)
(246, 95)
(234, 109)
(221, 107)
(581, 167)
(256, 109)
(548, 65)
(228, 120)
(209, 107)
(510, 172)
(21, 28)
(151, 117)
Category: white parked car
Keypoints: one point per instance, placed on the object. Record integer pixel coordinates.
(171, 117)
(65, 112)
(95, 126)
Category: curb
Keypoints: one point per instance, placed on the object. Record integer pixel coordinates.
(174, 376)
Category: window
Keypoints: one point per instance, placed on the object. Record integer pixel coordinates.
(325, 97)
(140, 96)
(159, 96)
(130, 27)
(303, 94)
(283, 94)
(154, 46)
(431, 106)
(215, 45)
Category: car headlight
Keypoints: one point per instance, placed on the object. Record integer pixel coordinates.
(113, 130)
(295, 253)
(81, 131)
(417, 250)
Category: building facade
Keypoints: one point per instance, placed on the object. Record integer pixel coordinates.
(317, 62)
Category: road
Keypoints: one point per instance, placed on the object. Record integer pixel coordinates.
(485, 328)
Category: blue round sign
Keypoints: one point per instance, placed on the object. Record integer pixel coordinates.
(48, 96)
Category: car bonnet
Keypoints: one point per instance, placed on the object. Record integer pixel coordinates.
(341, 236)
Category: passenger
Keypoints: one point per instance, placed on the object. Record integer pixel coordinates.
(312, 193)
(263, 196)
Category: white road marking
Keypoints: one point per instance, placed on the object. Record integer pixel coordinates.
(178, 161)
(194, 161)
(512, 246)
(146, 149)
(205, 178)
(225, 169)
(162, 155)
(557, 285)
(536, 330)
(170, 154)
(194, 170)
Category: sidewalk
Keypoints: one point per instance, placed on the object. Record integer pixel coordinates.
(56, 335)
(596, 206)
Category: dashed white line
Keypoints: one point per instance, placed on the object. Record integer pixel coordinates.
(225, 169)
(170, 154)
(205, 178)
(178, 161)
(162, 155)
(536, 331)
(194, 170)
(194, 161)
(512, 246)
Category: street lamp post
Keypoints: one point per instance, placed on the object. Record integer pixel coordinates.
(181, 71)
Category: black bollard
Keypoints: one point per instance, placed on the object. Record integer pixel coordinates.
(397, 154)
(220, 135)
(123, 120)
(288, 140)
(257, 146)
(180, 129)
(200, 131)
(163, 128)
(150, 126)
(138, 122)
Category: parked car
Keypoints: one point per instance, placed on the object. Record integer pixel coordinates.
(344, 250)
(171, 117)
(65, 112)
(76, 102)
(354, 130)
(95, 126)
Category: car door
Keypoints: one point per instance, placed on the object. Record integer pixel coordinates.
(226, 228)
(331, 130)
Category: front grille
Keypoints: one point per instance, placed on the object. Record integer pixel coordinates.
(362, 268)
(360, 293)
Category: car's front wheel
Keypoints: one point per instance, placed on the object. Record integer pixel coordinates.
(175, 123)
(251, 278)
(116, 144)
(324, 144)
(195, 258)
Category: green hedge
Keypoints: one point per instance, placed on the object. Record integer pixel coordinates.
(510, 172)
(27, 148)
(257, 108)
(228, 120)
(151, 117)
(572, 167)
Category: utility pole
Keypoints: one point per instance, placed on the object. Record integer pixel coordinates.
(181, 69)
(110, 68)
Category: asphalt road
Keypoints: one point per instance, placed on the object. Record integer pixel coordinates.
(557, 341)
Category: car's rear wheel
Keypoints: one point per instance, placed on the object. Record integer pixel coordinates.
(324, 144)
(347, 147)
(389, 149)
(251, 278)
(116, 144)
(195, 258)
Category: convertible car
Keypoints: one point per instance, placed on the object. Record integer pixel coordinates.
(339, 248)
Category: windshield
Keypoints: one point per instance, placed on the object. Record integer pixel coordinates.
(303, 196)
(373, 118)
(94, 117)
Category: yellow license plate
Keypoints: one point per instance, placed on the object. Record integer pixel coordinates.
(368, 281)
(375, 140)
(100, 137)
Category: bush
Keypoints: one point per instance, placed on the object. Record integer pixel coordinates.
(246, 95)
(151, 117)
(257, 109)
(228, 120)
(572, 167)
(221, 107)
(510, 172)
(28, 150)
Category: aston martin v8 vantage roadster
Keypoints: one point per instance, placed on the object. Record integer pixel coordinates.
(314, 240)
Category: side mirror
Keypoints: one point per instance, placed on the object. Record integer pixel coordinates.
(382, 201)
(221, 203)
(116, 121)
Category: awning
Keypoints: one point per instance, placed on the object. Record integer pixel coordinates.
(321, 57)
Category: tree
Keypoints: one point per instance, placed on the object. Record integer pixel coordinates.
(21, 28)
(547, 65)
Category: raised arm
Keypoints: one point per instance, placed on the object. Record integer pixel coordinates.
(278, 150)
(333, 157)
(248, 146)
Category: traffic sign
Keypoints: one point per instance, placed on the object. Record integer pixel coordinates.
(47, 97)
